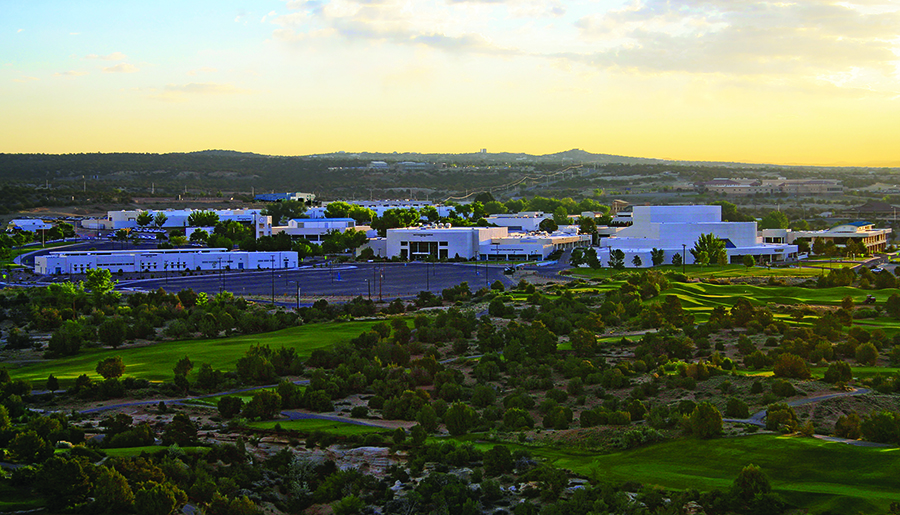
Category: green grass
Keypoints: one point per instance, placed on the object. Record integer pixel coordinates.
(155, 362)
(816, 475)
(325, 426)
(14, 253)
(716, 271)
(149, 449)
(17, 499)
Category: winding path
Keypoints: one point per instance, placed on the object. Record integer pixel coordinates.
(758, 418)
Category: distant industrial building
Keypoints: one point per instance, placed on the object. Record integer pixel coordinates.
(675, 229)
(126, 261)
(279, 197)
(742, 187)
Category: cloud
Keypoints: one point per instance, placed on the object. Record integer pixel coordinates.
(743, 37)
(26, 79)
(181, 92)
(74, 33)
(115, 56)
(121, 68)
(202, 69)
(70, 73)
(385, 21)
(20, 30)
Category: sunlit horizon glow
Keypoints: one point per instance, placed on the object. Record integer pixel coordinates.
(807, 82)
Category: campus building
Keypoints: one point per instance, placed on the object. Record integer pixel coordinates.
(442, 241)
(526, 221)
(875, 240)
(125, 261)
(279, 197)
(175, 218)
(314, 229)
(675, 229)
(380, 206)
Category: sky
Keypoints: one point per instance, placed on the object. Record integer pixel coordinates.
(809, 82)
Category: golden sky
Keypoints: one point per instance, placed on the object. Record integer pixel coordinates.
(803, 82)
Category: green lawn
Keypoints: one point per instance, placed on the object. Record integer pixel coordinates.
(717, 271)
(816, 475)
(16, 499)
(150, 449)
(155, 362)
(325, 426)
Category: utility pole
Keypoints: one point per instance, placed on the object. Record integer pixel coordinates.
(683, 257)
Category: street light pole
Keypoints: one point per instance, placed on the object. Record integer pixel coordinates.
(683, 257)
(273, 280)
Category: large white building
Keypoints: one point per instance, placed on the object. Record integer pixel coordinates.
(125, 261)
(127, 219)
(875, 240)
(675, 230)
(442, 241)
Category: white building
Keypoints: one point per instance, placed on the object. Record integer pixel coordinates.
(29, 224)
(526, 221)
(875, 240)
(315, 229)
(675, 230)
(126, 261)
(443, 241)
(116, 220)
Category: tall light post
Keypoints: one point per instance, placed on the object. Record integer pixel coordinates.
(273, 280)
(683, 257)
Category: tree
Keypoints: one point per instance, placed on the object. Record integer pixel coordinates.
(636, 261)
(199, 236)
(67, 340)
(548, 225)
(111, 368)
(264, 405)
(706, 421)
(144, 218)
(285, 210)
(99, 282)
(867, 353)
(736, 408)
(52, 385)
(112, 331)
(677, 259)
(707, 246)
(62, 482)
(774, 220)
(657, 256)
(616, 259)
(158, 499)
(838, 372)
(183, 367)
(749, 483)
(160, 219)
(749, 261)
(180, 431)
(29, 447)
(229, 406)
(112, 494)
(203, 219)
(460, 417)
(791, 365)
